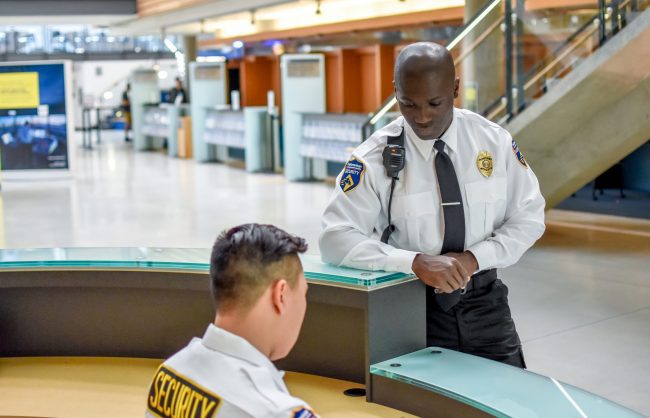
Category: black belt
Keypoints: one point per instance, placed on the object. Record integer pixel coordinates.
(481, 279)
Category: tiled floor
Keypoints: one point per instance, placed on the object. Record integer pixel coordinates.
(581, 296)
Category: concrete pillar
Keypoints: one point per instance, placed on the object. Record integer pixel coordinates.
(189, 50)
(483, 71)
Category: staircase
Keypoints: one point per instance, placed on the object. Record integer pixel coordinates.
(592, 118)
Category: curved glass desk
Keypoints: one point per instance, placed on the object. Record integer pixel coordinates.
(149, 302)
(360, 326)
(497, 389)
(175, 259)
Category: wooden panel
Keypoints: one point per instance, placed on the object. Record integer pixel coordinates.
(559, 4)
(351, 70)
(334, 88)
(385, 64)
(276, 81)
(106, 386)
(233, 64)
(368, 81)
(255, 80)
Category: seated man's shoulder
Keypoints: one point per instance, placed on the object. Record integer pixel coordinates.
(266, 396)
(178, 389)
(201, 383)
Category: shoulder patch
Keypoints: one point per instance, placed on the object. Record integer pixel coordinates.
(303, 413)
(352, 175)
(518, 154)
(173, 395)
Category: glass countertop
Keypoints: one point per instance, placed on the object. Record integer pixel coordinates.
(183, 259)
(496, 388)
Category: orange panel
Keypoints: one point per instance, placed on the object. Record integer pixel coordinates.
(333, 83)
(559, 4)
(276, 81)
(385, 64)
(351, 70)
(368, 82)
(255, 80)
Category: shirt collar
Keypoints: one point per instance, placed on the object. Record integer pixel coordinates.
(425, 147)
(225, 342)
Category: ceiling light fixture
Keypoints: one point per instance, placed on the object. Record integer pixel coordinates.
(318, 7)
(253, 16)
(170, 45)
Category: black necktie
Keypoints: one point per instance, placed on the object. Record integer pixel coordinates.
(452, 207)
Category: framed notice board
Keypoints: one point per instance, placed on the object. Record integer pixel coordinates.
(35, 118)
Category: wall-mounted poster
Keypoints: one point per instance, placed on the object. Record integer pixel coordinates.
(34, 116)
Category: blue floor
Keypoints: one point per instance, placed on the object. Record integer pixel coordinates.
(635, 204)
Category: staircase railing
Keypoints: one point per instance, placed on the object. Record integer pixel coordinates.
(534, 48)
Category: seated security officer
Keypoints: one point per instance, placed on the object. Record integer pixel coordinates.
(260, 291)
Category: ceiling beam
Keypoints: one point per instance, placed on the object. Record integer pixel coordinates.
(195, 13)
(431, 16)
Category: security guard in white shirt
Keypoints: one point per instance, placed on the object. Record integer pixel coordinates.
(445, 194)
(260, 290)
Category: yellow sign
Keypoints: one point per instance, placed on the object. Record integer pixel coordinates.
(19, 90)
(174, 396)
(347, 183)
(484, 163)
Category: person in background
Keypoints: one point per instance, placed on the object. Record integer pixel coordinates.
(447, 195)
(126, 108)
(177, 94)
(260, 292)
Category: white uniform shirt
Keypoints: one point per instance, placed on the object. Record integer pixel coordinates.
(221, 373)
(504, 212)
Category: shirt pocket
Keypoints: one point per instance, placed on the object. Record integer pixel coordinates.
(483, 198)
(416, 220)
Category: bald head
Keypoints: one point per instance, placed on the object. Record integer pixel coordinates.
(422, 58)
(425, 88)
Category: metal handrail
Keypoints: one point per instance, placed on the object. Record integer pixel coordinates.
(559, 58)
(615, 17)
(561, 52)
(531, 82)
(478, 40)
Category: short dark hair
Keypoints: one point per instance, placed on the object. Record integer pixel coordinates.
(247, 258)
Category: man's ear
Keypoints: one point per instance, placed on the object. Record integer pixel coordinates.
(456, 87)
(278, 295)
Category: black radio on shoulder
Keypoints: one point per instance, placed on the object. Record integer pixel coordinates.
(394, 156)
(394, 159)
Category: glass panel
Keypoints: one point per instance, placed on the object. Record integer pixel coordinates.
(480, 60)
(512, 51)
(75, 39)
(191, 259)
(553, 42)
(496, 388)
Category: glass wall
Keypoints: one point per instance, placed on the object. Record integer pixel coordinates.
(74, 39)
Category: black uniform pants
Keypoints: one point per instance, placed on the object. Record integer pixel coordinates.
(480, 324)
